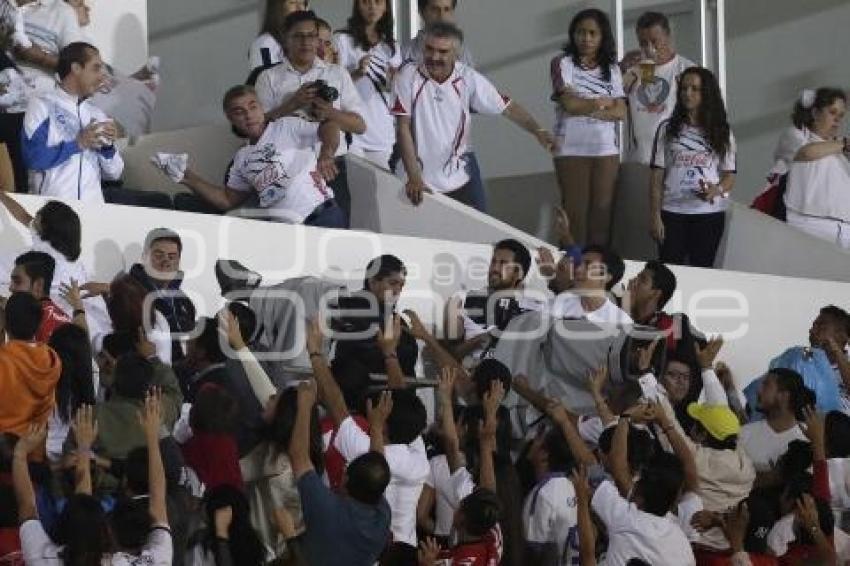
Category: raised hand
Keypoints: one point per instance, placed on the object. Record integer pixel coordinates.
(446, 385)
(417, 328)
(71, 294)
(597, 379)
(429, 551)
(33, 439)
(388, 340)
(85, 428)
(229, 326)
(581, 483)
(150, 417)
(546, 262)
(707, 354)
(378, 413)
(646, 355)
(307, 394)
(315, 338)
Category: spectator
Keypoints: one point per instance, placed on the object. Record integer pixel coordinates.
(33, 274)
(132, 314)
(412, 51)
(472, 316)
(601, 268)
(204, 362)
(831, 332)
(71, 169)
(29, 371)
(358, 523)
(278, 170)
(650, 99)
(327, 51)
(160, 274)
(267, 49)
(230, 537)
(781, 399)
(588, 92)
(693, 163)
(75, 387)
(815, 199)
(290, 89)
(434, 101)
(48, 27)
(368, 50)
(382, 287)
(648, 293)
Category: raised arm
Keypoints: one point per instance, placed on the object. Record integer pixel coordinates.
(586, 530)
(619, 458)
(223, 198)
(680, 446)
(559, 415)
(596, 382)
(444, 358)
(151, 420)
(818, 150)
(21, 482)
(714, 392)
(378, 416)
(517, 114)
(85, 433)
(448, 427)
(328, 388)
(258, 379)
(299, 444)
(15, 209)
(388, 344)
(487, 435)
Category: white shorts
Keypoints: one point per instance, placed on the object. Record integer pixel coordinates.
(827, 229)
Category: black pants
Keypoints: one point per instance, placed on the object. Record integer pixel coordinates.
(691, 239)
(340, 188)
(466, 194)
(11, 126)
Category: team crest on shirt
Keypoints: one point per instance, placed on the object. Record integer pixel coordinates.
(270, 180)
(653, 95)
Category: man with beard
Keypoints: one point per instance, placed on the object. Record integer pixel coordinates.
(831, 332)
(434, 102)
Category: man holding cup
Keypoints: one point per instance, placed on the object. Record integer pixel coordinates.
(68, 144)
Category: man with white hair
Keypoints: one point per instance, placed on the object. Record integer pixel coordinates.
(434, 102)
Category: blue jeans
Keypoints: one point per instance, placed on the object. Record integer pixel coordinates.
(475, 186)
(331, 216)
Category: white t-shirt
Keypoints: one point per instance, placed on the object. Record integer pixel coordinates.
(51, 25)
(375, 89)
(764, 446)
(441, 119)
(568, 305)
(265, 52)
(277, 84)
(408, 469)
(686, 160)
(633, 533)
(449, 490)
(820, 188)
(839, 482)
(39, 550)
(412, 51)
(649, 105)
(583, 135)
(281, 169)
(790, 142)
(549, 516)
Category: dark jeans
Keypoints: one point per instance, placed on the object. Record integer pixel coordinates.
(11, 126)
(341, 193)
(691, 239)
(464, 194)
(330, 216)
(477, 192)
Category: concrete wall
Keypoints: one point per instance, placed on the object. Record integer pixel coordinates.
(760, 315)
(119, 29)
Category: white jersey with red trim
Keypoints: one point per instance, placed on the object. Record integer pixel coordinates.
(441, 118)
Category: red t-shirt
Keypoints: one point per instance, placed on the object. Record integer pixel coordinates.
(334, 462)
(52, 317)
(485, 552)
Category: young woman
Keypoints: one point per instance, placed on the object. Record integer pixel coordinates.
(818, 180)
(588, 90)
(368, 50)
(267, 49)
(693, 162)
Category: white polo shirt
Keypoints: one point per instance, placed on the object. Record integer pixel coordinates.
(265, 52)
(51, 25)
(277, 84)
(281, 169)
(375, 89)
(649, 105)
(582, 135)
(408, 471)
(549, 516)
(568, 305)
(441, 117)
(687, 159)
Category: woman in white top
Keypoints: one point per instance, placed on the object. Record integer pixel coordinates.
(693, 171)
(267, 49)
(817, 198)
(588, 90)
(367, 49)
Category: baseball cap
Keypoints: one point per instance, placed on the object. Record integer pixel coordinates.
(718, 420)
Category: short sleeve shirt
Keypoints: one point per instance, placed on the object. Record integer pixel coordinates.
(441, 119)
(583, 135)
(687, 159)
(265, 52)
(51, 25)
(549, 517)
(281, 169)
(374, 88)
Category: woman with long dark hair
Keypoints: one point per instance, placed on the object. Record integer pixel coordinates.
(588, 91)
(816, 198)
(693, 172)
(131, 313)
(368, 50)
(267, 49)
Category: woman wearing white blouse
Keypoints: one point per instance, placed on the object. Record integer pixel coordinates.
(267, 49)
(588, 91)
(818, 195)
(367, 49)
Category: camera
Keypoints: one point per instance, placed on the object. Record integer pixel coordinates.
(325, 91)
